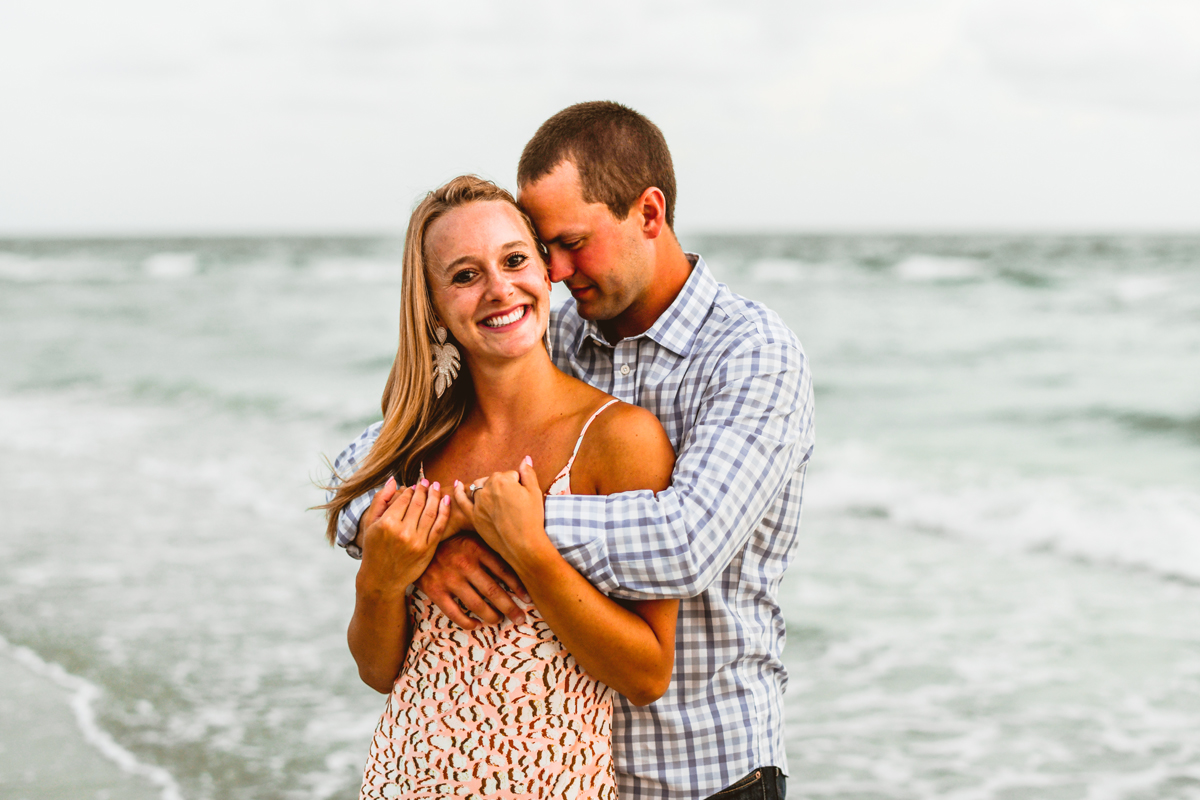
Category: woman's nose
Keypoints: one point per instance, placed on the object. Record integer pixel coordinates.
(499, 285)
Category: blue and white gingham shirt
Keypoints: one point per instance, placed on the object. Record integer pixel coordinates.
(731, 386)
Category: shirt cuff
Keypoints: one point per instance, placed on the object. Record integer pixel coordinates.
(576, 525)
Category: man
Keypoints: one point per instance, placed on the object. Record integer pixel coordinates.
(648, 324)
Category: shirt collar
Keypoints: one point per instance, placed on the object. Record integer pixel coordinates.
(676, 328)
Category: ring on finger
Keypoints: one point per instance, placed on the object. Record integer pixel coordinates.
(471, 490)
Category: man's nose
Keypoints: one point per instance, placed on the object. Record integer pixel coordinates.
(560, 267)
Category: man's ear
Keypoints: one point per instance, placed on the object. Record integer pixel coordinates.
(652, 207)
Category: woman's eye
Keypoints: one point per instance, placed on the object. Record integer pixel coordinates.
(462, 277)
(516, 260)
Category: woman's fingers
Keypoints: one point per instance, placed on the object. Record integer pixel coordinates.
(379, 504)
(428, 514)
(408, 505)
(497, 482)
(442, 520)
(463, 498)
(529, 478)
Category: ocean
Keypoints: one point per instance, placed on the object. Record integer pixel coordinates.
(998, 589)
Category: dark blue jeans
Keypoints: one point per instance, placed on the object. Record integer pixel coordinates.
(764, 783)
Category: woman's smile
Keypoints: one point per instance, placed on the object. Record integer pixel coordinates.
(503, 320)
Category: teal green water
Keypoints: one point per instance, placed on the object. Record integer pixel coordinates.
(998, 594)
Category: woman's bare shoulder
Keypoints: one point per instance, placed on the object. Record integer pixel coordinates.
(626, 449)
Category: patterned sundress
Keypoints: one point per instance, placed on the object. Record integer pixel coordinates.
(502, 711)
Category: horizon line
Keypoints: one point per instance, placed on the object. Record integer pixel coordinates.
(367, 234)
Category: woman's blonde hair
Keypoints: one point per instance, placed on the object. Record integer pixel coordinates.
(415, 422)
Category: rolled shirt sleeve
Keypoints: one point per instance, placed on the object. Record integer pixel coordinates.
(345, 465)
(753, 433)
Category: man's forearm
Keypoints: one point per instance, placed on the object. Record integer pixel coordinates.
(750, 445)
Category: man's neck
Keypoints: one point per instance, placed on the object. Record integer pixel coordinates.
(672, 268)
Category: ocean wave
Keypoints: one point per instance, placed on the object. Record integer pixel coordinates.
(16, 268)
(1154, 529)
(777, 270)
(83, 695)
(1141, 422)
(355, 270)
(170, 266)
(939, 268)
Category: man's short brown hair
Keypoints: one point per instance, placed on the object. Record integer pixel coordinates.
(618, 152)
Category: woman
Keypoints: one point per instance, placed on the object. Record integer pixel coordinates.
(508, 710)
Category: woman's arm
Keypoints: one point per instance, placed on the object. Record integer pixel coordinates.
(629, 646)
(397, 545)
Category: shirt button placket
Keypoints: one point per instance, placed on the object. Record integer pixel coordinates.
(623, 358)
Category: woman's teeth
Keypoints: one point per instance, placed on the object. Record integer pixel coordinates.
(507, 319)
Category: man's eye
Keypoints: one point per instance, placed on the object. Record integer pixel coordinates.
(573, 245)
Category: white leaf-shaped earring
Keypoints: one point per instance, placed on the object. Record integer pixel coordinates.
(445, 362)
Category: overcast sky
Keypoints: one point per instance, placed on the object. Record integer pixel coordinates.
(155, 116)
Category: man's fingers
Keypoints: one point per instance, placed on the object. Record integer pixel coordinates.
(473, 599)
(446, 602)
(503, 572)
(497, 597)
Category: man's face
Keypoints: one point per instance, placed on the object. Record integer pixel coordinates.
(603, 261)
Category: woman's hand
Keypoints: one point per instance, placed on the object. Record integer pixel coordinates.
(461, 516)
(508, 513)
(403, 534)
(405, 530)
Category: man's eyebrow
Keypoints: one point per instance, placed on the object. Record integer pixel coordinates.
(564, 235)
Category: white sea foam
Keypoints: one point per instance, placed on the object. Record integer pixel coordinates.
(17, 268)
(1136, 288)
(938, 268)
(1152, 528)
(777, 270)
(83, 696)
(170, 266)
(360, 270)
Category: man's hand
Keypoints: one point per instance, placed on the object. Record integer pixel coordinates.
(466, 573)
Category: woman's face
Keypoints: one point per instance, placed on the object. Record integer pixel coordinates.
(487, 281)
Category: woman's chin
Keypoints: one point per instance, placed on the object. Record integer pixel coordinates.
(512, 348)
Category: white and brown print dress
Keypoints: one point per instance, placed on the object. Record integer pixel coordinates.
(502, 711)
(499, 712)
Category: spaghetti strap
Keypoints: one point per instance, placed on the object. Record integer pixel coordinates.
(586, 425)
(562, 481)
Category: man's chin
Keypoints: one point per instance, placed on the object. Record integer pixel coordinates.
(592, 312)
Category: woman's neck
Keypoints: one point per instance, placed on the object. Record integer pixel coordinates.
(515, 394)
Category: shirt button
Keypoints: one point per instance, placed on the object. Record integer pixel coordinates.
(624, 369)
